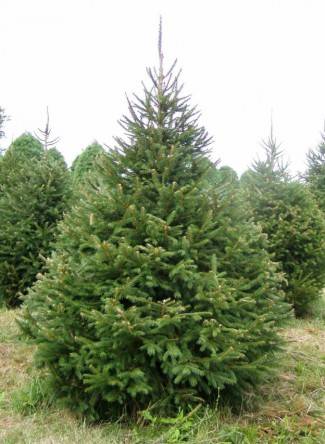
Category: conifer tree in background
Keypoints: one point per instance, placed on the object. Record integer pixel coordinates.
(44, 135)
(33, 187)
(3, 118)
(315, 175)
(85, 163)
(288, 214)
(23, 148)
(228, 174)
(225, 174)
(158, 293)
(83, 170)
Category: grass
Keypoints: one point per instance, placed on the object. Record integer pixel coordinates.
(292, 409)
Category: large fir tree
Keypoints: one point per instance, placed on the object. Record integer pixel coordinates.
(315, 175)
(3, 118)
(288, 214)
(33, 187)
(85, 163)
(83, 169)
(217, 176)
(25, 148)
(159, 292)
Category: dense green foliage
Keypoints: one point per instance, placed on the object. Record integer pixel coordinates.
(158, 293)
(315, 175)
(85, 163)
(216, 175)
(288, 214)
(224, 179)
(33, 187)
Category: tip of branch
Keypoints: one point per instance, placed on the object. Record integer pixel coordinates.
(160, 53)
(160, 37)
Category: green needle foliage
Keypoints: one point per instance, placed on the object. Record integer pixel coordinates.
(84, 167)
(216, 177)
(33, 186)
(3, 118)
(85, 162)
(315, 175)
(288, 214)
(159, 292)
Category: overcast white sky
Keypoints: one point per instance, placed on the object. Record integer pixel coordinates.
(240, 60)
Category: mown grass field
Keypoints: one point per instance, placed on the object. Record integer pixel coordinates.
(291, 409)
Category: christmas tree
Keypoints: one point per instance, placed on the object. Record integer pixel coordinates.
(288, 214)
(3, 118)
(85, 163)
(315, 175)
(160, 292)
(83, 169)
(33, 186)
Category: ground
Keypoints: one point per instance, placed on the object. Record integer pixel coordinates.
(291, 408)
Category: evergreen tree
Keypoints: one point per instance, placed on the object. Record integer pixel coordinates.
(223, 175)
(3, 118)
(159, 292)
(229, 174)
(33, 187)
(85, 163)
(315, 175)
(23, 149)
(288, 214)
(83, 169)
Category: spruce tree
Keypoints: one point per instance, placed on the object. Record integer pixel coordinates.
(315, 175)
(25, 148)
(3, 118)
(288, 214)
(33, 187)
(83, 168)
(215, 176)
(85, 162)
(159, 292)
